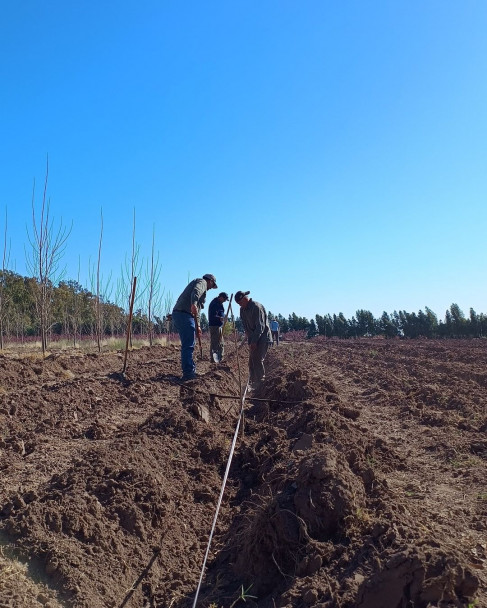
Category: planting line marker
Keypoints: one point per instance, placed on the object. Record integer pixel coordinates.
(225, 477)
(235, 397)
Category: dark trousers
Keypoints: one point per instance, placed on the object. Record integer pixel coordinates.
(216, 342)
(256, 363)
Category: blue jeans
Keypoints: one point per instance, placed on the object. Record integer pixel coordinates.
(184, 323)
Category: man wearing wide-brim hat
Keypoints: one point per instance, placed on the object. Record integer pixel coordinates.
(186, 315)
(254, 319)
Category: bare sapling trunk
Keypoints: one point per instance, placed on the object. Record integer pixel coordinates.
(129, 324)
(101, 290)
(131, 270)
(132, 277)
(165, 303)
(76, 307)
(47, 248)
(2, 285)
(99, 320)
(153, 294)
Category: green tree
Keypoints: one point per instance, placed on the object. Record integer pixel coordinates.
(459, 323)
(341, 326)
(387, 327)
(204, 324)
(475, 324)
(366, 324)
(312, 330)
(297, 323)
(283, 324)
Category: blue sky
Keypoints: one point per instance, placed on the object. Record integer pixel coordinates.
(326, 156)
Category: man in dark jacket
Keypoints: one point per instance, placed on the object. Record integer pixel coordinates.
(254, 319)
(185, 317)
(216, 315)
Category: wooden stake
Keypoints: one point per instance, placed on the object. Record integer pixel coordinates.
(129, 325)
(226, 316)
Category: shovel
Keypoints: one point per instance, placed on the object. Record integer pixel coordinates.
(197, 326)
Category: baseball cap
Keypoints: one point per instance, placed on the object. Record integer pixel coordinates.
(210, 277)
(223, 295)
(241, 294)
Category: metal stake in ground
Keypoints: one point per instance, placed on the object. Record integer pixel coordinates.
(129, 325)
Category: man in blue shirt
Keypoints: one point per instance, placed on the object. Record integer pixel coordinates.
(216, 315)
(275, 331)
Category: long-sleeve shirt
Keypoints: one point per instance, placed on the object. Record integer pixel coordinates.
(216, 312)
(194, 293)
(254, 320)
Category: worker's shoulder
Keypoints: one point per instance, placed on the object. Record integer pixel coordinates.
(199, 284)
(255, 305)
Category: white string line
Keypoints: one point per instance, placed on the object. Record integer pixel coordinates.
(227, 470)
(225, 477)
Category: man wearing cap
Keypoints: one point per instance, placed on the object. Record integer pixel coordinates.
(254, 319)
(186, 316)
(216, 315)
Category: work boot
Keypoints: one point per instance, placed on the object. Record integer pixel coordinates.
(193, 376)
(256, 386)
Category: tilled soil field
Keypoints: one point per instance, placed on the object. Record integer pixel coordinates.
(359, 479)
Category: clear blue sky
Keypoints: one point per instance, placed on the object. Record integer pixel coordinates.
(327, 156)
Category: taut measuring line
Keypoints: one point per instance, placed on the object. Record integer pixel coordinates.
(255, 398)
(220, 498)
(230, 456)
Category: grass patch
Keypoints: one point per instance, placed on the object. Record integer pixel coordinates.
(8, 569)
(465, 462)
(33, 351)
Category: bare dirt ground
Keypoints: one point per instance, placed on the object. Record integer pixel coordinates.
(359, 480)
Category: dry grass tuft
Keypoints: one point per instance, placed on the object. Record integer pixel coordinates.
(67, 374)
(9, 569)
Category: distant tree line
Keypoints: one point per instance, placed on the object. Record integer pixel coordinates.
(74, 312)
(423, 324)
